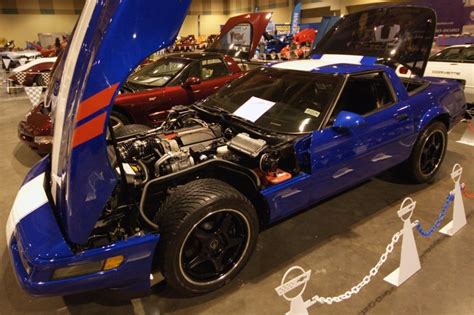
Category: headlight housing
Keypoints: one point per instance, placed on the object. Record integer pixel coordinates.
(44, 140)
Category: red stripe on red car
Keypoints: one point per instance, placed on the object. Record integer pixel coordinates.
(96, 102)
(89, 130)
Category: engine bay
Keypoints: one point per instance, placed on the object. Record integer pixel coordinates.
(186, 140)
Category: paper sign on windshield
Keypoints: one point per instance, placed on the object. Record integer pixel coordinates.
(254, 108)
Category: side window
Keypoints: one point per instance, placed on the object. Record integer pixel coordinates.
(364, 94)
(449, 54)
(212, 69)
(192, 71)
(468, 55)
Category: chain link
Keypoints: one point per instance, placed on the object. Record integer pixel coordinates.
(439, 220)
(366, 280)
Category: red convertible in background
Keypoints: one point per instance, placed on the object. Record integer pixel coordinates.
(176, 79)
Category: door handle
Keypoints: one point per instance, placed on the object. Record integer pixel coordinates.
(401, 117)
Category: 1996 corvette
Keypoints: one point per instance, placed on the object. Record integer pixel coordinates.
(187, 198)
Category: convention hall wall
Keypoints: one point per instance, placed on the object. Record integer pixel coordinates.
(22, 20)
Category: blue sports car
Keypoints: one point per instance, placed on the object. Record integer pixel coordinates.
(108, 208)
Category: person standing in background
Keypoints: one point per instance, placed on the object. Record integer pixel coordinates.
(57, 46)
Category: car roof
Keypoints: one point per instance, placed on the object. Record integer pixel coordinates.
(458, 46)
(335, 64)
(194, 55)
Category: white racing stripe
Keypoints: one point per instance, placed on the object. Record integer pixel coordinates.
(30, 198)
(68, 72)
(313, 64)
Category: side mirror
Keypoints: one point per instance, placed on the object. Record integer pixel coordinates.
(348, 120)
(190, 82)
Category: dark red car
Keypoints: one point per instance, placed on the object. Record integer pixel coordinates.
(173, 80)
(31, 73)
(177, 79)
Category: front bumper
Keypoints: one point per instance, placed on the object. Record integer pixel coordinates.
(37, 248)
(25, 134)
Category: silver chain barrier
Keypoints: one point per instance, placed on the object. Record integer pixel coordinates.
(366, 280)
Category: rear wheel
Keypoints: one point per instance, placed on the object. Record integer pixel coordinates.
(428, 153)
(208, 232)
(39, 80)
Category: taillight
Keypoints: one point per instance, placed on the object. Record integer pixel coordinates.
(403, 70)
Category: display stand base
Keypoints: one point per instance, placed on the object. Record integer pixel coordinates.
(448, 229)
(394, 277)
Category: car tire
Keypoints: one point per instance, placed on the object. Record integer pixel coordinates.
(118, 120)
(39, 80)
(427, 154)
(208, 233)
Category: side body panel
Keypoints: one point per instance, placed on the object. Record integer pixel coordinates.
(340, 160)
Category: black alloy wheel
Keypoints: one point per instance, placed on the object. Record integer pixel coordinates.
(208, 232)
(214, 246)
(427, 154)
(432, 153)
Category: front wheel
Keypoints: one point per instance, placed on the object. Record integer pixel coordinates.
(208, 232)
(428, 153)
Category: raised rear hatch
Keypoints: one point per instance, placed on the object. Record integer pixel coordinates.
(393, 35)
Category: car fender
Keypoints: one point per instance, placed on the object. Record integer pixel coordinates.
(431, 115)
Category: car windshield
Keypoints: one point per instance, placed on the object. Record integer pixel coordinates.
(283, 101)
(159, 73)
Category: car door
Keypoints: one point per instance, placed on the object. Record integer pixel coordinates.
(344, 158)
(214, 74)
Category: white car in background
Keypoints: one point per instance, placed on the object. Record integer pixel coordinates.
(454, 62)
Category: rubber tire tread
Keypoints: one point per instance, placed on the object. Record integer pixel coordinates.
(410, 167)
(180, 206)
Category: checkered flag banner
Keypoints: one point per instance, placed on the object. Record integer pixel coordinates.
(6, 62)
(20, 77)
(34, 94)
(46, 77)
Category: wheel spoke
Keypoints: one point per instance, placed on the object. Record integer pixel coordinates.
(233, 242)
(198, 260)
(225, 224)
(202, 235)
(217, 263)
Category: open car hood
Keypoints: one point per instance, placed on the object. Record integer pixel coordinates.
(241, 34)
(110, 40)
(394, 35)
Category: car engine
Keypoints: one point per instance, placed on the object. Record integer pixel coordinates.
(185, 140)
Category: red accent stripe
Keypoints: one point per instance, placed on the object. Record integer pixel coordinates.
(96, 102)
(89, 130)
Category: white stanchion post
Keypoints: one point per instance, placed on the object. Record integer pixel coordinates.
(409, 259)
(459, 214)
(297, 304)
(468, 135)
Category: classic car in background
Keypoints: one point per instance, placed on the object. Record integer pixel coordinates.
(454, 62)
(32, 73)
(188, 198)
(177, 79)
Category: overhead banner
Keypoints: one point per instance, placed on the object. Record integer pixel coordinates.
(454, 16)
(296, 19)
